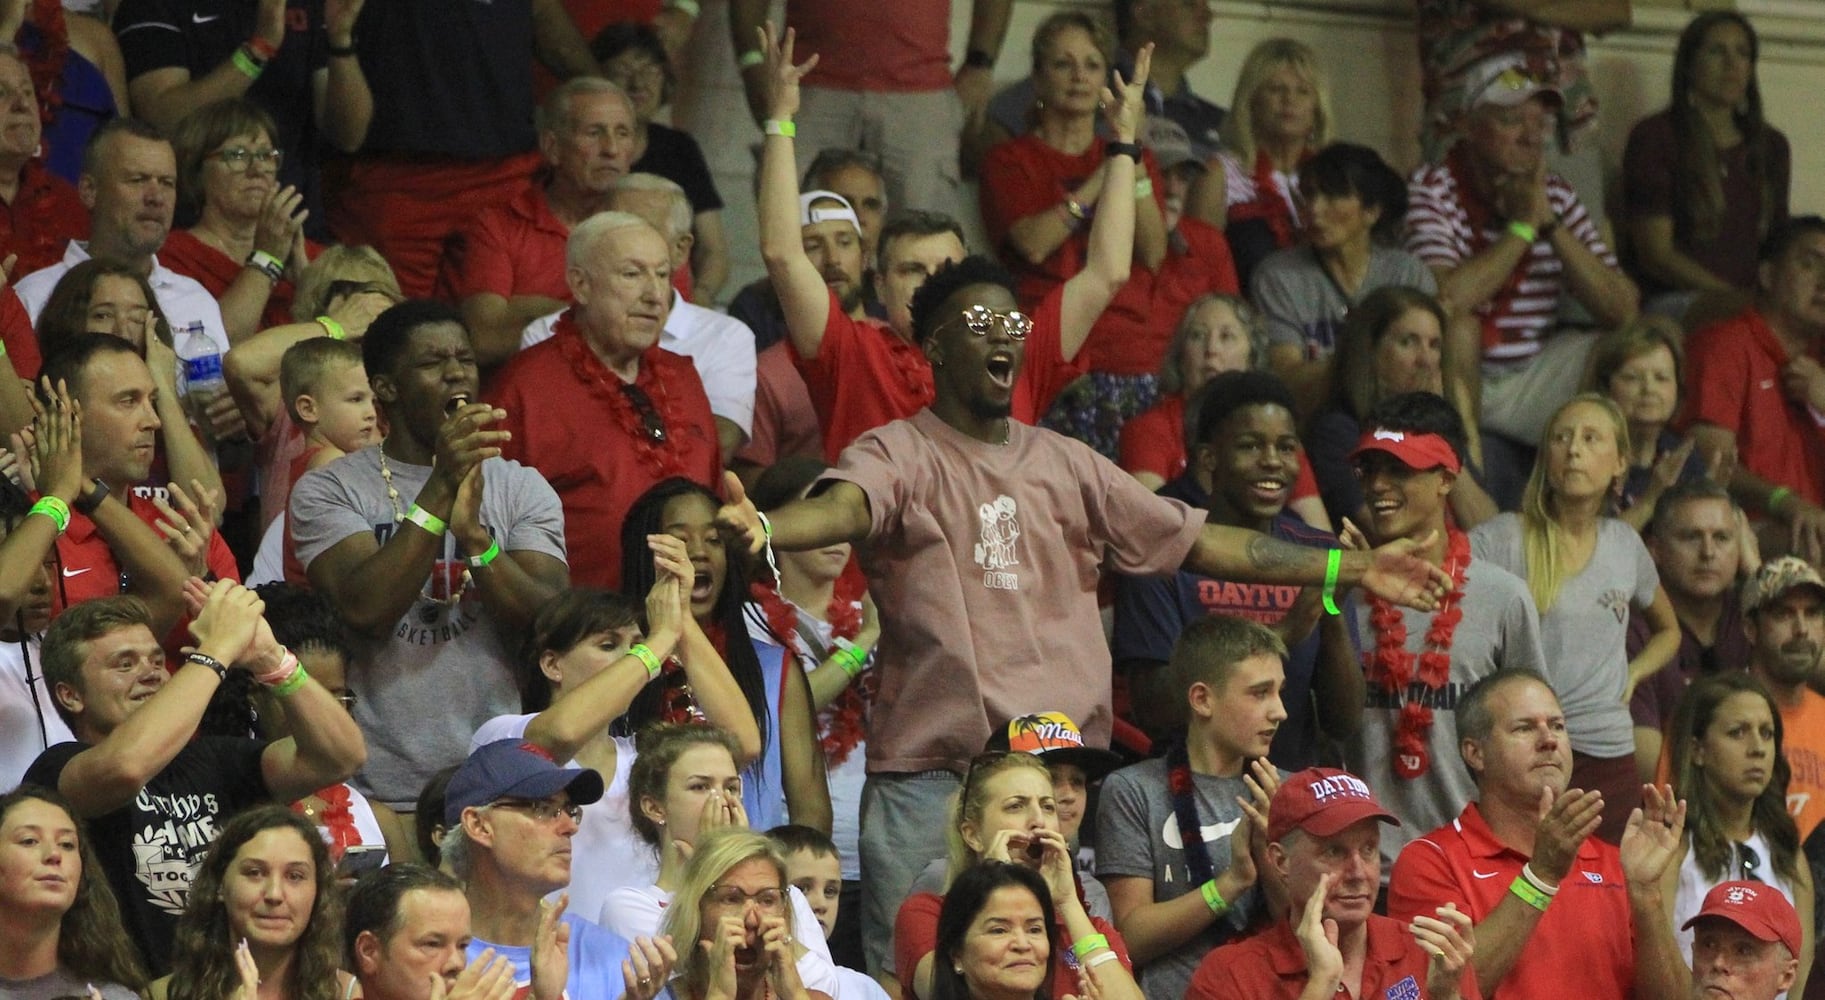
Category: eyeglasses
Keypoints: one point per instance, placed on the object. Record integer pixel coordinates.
(1748, 862)
(238, 158)
(982, 320)
(543, 810)
(729, 897)
(649, 414)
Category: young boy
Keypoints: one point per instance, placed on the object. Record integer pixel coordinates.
(813, 867)
(326, 393)
(1179, 841)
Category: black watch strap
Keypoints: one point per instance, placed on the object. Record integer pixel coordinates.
(978, 59)
(204, 659)
(1132, 150)
(87, 502)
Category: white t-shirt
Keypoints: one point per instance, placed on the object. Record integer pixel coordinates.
(28, 715)
(638, 911)
(606, 853)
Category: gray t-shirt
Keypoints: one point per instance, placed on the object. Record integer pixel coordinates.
(445, 669)
(1584, 634)
(1305, 308)
(1500, 628)
(60, 984)
(1137, 835)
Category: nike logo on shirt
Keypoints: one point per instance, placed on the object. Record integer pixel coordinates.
(200, 19)
(68, 572)
(1479, 874)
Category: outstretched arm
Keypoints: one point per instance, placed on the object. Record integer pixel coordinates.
(839, 514)
(1396, 571)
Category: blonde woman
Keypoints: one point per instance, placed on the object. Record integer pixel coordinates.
(1587, 571)
(733, 923)
(1281, 114)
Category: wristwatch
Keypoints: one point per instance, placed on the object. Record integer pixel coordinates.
(978, 59)
(88, 500)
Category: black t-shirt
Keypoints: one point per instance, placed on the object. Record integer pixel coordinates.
(675, 156)
(450, 77)
(198, 35)
(152, 847)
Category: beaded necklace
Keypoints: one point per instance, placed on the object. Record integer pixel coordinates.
(454, 585)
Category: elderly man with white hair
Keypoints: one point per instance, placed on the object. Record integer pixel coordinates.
(719, 346)
(643, 407)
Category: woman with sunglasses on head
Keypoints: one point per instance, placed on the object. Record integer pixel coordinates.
(737, 927)
(588, 656)
(1729, 767)
(785, 777)
(682, 789)
(1005, 812)
(245, 240)
(263, 907)
(59, 922)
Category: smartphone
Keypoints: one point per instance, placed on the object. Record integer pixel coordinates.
(361, 858)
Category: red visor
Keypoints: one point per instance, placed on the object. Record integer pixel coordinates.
(1415, 449)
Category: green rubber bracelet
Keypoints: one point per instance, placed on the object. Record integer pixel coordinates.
(1332, 563)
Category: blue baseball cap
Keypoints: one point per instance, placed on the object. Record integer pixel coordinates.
(515, 769)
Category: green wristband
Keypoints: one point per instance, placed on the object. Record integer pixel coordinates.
(332, 328)
(492, 553)
(1775, 496)
(1332, 563)
(1526, 893)
(248, 66)
(427, 520)
(750, 58)
(852, 658)
(55, 509)
(1213, 898)
(648, 659)
(290, 685)
(1527, 233)
(1089, 943)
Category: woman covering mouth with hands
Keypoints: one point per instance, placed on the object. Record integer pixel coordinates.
(735, 904)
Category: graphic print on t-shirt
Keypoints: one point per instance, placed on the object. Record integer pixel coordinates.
(995, 552)
(170, 847)
(1210, 833)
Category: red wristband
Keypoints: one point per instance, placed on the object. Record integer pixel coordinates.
(262, 48)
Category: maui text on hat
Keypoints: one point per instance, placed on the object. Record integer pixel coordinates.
(1054, 738)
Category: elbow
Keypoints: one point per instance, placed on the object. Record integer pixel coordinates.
(1029, 252)
(747, 743)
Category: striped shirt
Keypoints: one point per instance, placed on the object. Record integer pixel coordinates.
(1522, 312)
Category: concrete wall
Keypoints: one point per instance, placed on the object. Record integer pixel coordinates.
(1369, 52)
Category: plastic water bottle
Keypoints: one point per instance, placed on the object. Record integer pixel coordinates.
(199, 364)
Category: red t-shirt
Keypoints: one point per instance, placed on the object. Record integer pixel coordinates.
(43, 217)
(17, 334)
(1735, 383)
(915, 935)
(785, 424)
(300, 464)
(1588, 934)
(572, 420)
(1154, 441)
(1023, 177)
(516, 248)
(866, 376)
(215, 270)
(1132, 334)
(1271, 965)
(886, 47)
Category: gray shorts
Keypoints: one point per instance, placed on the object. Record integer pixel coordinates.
(904, 821)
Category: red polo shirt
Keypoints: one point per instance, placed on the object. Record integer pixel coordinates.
(572, 420)
(866, 376)
(189, 256)
(89, 570)
(1585, 943)
(17, 334)
(1734, 381)
(1272, 964)
(515, 248)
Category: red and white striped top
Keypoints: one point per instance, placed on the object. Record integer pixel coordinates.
(1441, 233)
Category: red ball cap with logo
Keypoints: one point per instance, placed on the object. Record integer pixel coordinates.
(1322, 801)
(1756, 907)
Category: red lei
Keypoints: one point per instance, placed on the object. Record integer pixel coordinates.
(1270, 206)
(663, 459)
(45, 60)
(1393, 667)
(844, 722)
(335, 818)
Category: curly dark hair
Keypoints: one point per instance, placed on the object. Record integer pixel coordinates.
(203, 946)
(929, 300)
(92, 943)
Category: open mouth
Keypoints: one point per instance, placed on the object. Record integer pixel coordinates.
(1268, 490)
(455, 402)
(1000, 366)
(747, 956)
(703, 586)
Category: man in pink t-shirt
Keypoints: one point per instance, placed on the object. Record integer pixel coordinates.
(883, 83)
(982, 539)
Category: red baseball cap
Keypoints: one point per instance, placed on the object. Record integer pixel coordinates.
(1322, 801)
(1416, 449)
(1756, 907)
